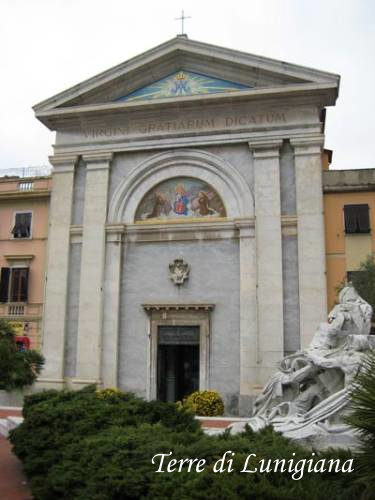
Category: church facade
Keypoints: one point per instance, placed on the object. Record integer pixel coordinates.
(186, 243)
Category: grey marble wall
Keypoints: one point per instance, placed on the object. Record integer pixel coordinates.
(287, 180)
(239, 156)
(214, 278)
(289, 252)
(291, 294)
(72, 310)
(79, 193)
(122, 165)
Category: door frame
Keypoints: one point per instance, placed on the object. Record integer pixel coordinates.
(178, 315)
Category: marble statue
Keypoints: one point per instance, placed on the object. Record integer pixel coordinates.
(308, 396)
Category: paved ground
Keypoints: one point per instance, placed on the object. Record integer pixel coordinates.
(222, 424)
(10, 413)
(13, 485)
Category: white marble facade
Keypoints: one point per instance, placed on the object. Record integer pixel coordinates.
(256, 284)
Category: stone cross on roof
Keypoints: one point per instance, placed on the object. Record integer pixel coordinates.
(182, 19)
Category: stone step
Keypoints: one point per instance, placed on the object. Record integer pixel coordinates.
(9, 423)
(4, 427)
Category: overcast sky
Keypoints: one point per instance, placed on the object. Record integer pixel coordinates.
(47, 46)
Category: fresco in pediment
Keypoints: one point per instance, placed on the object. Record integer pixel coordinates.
(180, 198)
(182, 84)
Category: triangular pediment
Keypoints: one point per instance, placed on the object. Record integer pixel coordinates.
(181, 84)
(209, 71)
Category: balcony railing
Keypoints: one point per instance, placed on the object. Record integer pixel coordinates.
(26, 172)
(16, 309)
(26, 186)
(19, 309)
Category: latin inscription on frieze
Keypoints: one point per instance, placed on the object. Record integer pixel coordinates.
(155, 127)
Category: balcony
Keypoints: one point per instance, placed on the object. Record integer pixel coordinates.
(20, 310)
(26, 186)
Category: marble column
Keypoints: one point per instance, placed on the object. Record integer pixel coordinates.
(310, 226)
(89, 344)
(269, 254)
(57, 271)
(249, 345)
(111, 309)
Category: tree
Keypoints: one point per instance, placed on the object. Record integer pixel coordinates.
(18, 369)
(363, 280)
(362, 419)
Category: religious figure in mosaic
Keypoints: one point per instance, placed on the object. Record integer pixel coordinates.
(161, 207)
(180, 205)
(182, 84)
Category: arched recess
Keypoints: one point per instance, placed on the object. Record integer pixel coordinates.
(221, 175)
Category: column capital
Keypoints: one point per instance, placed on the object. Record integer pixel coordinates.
(114, 233)
(97, 161)
(246, 227)
(63, 163)
(265, 148)
(307, 145)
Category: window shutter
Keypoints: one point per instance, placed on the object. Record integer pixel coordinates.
(24, 285)
(22, 225)
(350, 214)
(363, 219)
(4, 284)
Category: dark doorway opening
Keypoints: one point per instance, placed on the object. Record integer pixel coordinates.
(178, 362)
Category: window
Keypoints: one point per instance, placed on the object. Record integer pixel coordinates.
(14, 284)
(22, 225)
(357, 219)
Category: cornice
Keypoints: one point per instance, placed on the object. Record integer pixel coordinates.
(18, 257)
(50, 117)
(178, 307)
(20, 195)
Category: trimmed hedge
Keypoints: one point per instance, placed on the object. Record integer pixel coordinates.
(98, 446)
(204, 403)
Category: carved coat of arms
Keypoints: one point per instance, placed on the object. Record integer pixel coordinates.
(179, 271)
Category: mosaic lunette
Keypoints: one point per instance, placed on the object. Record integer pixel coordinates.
(180, 198)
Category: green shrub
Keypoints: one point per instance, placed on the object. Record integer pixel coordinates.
(363, 419)
(55, 419)
(99, 445)
(18, 369)
(204, 403)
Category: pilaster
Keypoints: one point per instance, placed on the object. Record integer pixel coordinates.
(88, 368)
(311, 245)
(249, 342)
(269, 254)
(57, 270)
(111, 306)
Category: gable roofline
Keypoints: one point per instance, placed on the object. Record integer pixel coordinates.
(185, 45)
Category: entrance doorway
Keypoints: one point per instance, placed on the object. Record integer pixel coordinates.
(177, 362)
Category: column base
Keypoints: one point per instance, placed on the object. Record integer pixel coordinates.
(80, 383)
(43, 384)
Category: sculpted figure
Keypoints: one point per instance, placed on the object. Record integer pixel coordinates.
(308, 395)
